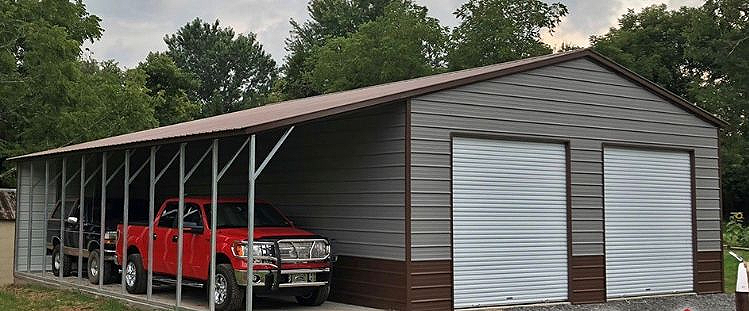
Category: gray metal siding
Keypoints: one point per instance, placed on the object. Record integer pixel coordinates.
(576, 100)
(37, 216)
(345, 178)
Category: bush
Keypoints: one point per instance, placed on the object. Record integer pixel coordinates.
(735, 233)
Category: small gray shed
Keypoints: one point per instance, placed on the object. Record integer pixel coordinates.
(559, 178)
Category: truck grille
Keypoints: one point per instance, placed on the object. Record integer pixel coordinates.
(299, 250)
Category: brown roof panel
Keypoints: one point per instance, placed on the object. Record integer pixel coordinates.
(304, 109)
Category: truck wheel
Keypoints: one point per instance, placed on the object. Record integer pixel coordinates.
(316, 297)
(229, 295)
(60, 260)
(93, 269)
(135, 275)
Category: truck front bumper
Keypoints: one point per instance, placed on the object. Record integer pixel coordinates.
(292, 278)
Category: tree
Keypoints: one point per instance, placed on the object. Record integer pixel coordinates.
(172, 88)
(328, 19)
(651, 43)
(495, 31)
(701, 54)
(403, 43)
(39, 65)
(234, 71)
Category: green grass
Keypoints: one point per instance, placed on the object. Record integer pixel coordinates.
(36, 297)
(730, 266)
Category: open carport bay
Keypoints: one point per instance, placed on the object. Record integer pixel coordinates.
(341, 178)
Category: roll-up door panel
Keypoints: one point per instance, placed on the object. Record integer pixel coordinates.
(648, 216)
(509, 222)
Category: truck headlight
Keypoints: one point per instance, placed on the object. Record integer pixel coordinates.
(259, 249)
(320, 249)
(110, 236)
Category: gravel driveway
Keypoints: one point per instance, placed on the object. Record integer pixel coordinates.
(714, 302)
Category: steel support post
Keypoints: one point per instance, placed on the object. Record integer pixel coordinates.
(250, 222)
(151, 198)
(46, 209)
(103, 217)
(180, 222)
(214, 203)
(81, 206)
(62, 219)
(125, 211)
(31, 215)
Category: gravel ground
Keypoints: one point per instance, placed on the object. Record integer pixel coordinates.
(715, 302)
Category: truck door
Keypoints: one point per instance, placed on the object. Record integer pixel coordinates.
(72, 223)
(196, 241)
(164, 250)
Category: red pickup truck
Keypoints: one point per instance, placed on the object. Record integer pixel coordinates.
(287, 260)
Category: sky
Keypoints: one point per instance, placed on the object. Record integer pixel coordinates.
(134, 28)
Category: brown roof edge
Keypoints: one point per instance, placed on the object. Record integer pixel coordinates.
(410, 88)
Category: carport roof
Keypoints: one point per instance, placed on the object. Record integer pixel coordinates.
(305, 109)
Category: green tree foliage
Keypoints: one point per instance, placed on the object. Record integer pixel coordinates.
(328, 19)
(233, 69)
(495, 31)
(403, 43)
(50, 97)
(170, 86)
(701, 54)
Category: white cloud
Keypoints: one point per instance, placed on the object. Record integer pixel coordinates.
(134, 28)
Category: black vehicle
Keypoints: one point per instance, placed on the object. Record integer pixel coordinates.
(91, 233)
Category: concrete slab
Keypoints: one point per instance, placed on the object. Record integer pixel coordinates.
(193, 298)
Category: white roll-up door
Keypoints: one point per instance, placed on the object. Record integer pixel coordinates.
(509, 222)
(648, 216)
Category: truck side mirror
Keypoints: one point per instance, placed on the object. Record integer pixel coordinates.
(72, 220)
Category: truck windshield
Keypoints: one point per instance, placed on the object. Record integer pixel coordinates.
(234, 215)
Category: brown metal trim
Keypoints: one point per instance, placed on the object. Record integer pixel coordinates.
(603, 220)
(506, 137)
(720, 207)
(693, 181)
(589, 284)
(407, 203)
(452, 226)
(377, 283)
(568, 173)
(643, 146)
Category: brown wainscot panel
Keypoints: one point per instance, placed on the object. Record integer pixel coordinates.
(375, 283)
(709, 278)
(587, 279)
(431, 285)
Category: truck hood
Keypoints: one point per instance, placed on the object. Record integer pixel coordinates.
(264, 232)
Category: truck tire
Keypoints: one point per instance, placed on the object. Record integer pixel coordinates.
(135, 275)
(316, 297)
(67, 262)
(93, 269)
(229, 295)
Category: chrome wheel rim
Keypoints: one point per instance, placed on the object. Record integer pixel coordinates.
(93, 267)
(130, 274)
(220, 289)
(56, 261)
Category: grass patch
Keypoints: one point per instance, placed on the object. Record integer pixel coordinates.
(730, 266)
(37, 297)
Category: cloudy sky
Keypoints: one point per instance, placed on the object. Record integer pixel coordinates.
(133, 28)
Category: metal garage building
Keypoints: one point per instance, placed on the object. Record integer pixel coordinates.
(560, 178)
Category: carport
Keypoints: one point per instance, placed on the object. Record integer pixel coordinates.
(438, 192)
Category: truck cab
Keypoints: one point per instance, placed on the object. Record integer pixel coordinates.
(287, 260)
